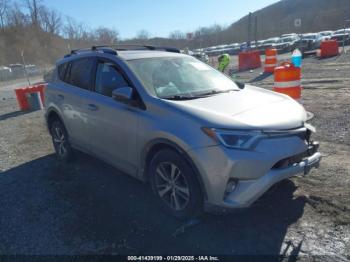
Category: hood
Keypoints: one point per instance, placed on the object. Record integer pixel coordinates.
(250, 108)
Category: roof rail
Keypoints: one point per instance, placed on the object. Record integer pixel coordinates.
(112, 49)
(124, 47)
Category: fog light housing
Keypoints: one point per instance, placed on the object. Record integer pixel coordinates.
(231, 186)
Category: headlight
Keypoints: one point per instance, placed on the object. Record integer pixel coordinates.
(233, 138)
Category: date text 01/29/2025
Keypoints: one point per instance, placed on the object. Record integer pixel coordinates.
(173, 258)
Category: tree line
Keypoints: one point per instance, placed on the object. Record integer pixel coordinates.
(42, 34)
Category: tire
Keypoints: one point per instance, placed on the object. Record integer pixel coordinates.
(175, 185)
(60, 140)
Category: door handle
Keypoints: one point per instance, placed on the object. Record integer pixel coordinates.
(92, 107)
(60, 97)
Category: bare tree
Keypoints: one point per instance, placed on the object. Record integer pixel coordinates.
(51, 20)
(177, 35)
(105, 35)
(15, 17)
(74, 30)
(143, 35)
(3, 9)
(34, 7)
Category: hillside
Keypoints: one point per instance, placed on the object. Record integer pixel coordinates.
(44, 39)
(278, 18)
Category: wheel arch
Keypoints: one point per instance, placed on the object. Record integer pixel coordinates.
(159, 144)
(52, 115)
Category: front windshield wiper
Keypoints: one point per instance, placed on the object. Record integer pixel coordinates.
(201, 95)
(214, 92)
(180, 97)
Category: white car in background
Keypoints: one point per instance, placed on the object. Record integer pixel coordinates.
(322, 36)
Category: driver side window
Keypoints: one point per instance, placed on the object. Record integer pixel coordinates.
(108, 78)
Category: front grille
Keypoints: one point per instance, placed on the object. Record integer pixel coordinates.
(287, 162)
(302, 133)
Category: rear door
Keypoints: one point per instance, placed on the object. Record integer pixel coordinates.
(77, 87)
(113, 125)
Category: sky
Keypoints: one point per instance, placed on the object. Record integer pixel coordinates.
(158, 17)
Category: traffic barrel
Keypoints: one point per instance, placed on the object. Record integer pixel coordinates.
(288, 80)
(270, 60)
(249, 60)
(329, 48)
(21, 99)
(21, 95)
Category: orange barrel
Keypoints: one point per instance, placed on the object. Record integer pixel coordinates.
(34, 100)
(21, 99)
(329, 48)
(249, 60)
(288, 80)
(39, 88)
(270, 60)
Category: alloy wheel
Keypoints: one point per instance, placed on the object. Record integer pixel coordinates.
(59, 140)
(172, 186)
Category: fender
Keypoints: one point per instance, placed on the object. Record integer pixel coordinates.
(157, 144)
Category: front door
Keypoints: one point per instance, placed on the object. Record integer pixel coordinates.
(113, 125)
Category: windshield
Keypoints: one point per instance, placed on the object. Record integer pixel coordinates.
(168, 77)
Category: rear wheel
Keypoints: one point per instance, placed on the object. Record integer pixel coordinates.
(174, 184)
(60, 141)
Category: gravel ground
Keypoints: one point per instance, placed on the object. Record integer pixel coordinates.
(88, 207)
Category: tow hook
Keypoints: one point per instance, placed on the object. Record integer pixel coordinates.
(313, 148)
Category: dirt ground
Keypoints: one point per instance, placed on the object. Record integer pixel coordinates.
(88, 207)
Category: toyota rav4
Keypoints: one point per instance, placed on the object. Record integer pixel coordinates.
(198, 138)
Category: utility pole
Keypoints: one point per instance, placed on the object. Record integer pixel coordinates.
(256, 31)
(249, 29)
(24, 67)
(344, 38)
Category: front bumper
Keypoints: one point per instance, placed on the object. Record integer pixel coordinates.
(256, 171)
(249, 191)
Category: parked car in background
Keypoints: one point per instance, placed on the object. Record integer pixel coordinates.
(286, 44)
(342, 36)
(269, 43)
(307, 42)
(322, 36)
(327, 34)
(200, 140)
(32, 70)
(342, 31)
(17, 70)
(233, 49)
(254, 45)
(290, 35)
(5, 73)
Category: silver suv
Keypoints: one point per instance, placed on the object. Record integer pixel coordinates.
(199, 139)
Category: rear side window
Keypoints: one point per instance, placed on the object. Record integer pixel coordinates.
(62, 71)
(80, 73)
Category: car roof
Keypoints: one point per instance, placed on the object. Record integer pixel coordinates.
(125, 55)
(141, 54)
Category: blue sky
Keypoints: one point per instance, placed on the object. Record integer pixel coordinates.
(158, 17)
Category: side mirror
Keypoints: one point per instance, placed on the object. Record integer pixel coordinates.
(240, 84)
(122, 94)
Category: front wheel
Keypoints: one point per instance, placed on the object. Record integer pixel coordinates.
(175, 185)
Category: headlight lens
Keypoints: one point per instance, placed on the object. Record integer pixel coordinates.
(233, 138)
